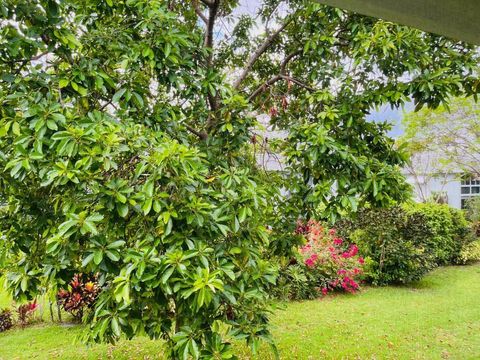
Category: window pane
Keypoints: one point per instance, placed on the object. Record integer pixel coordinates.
(465, 190)
(475, 189)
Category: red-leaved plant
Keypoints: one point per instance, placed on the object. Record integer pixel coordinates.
(80, 295)
(335, 264)
(26, 311)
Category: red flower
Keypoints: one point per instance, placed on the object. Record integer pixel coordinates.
(361, 260)
(337, 241)
(353, 250)
(310, 263)
(324, 291)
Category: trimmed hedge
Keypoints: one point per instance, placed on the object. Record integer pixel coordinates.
(402, 243)
(450, 230)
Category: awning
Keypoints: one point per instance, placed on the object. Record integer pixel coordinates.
(456, 19)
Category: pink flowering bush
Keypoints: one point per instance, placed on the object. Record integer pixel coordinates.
(332, 263)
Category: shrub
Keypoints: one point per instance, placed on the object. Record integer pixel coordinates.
(296, 282)
(25, 312)
(470, 253)
(395, 244)
(6, 320)
(81, 295)
(335, 264)
(472, 213)
(325, 263)
(450, 230)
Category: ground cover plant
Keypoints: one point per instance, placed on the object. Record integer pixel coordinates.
(128, 151)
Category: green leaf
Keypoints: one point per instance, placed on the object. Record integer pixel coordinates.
(147, 206)
(82, 91)
(115, 327)
(97, 257)
(116, 244)
(87, 259)
(113, 255)
(122, 210)
(168, 229)
(63, 83)
(65, 226)
(166, 275)
(52, 125)
(224, 229)
(16, 128)
(118, 95)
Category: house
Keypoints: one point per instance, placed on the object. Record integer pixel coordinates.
(431, 178)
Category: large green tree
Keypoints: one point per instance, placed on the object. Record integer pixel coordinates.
(129, 138)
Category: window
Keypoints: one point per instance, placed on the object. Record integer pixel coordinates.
(468, 189)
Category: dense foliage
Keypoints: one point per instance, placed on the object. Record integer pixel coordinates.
(395, 244)
(450, 230)
(470, 253)
(403, 243)
(128, 150)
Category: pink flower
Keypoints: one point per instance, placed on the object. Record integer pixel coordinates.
(361, 260)
(310, 263)
(353, 250)
(324, 291)
(337, 241)
(305, 248)
(341, 272)
(332, 232)
(314, 257)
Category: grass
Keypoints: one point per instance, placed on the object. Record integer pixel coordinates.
(436, 318)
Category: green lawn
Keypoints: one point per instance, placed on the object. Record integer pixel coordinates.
(437, 318)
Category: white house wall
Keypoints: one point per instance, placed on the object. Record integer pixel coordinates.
(448, 184)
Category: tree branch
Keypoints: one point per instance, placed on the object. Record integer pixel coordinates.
(281, 76)
(265, 85)
(283, 65)
(298, 82)
(212, 15)
(201, 134)
(199, 12)
(260, 50)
